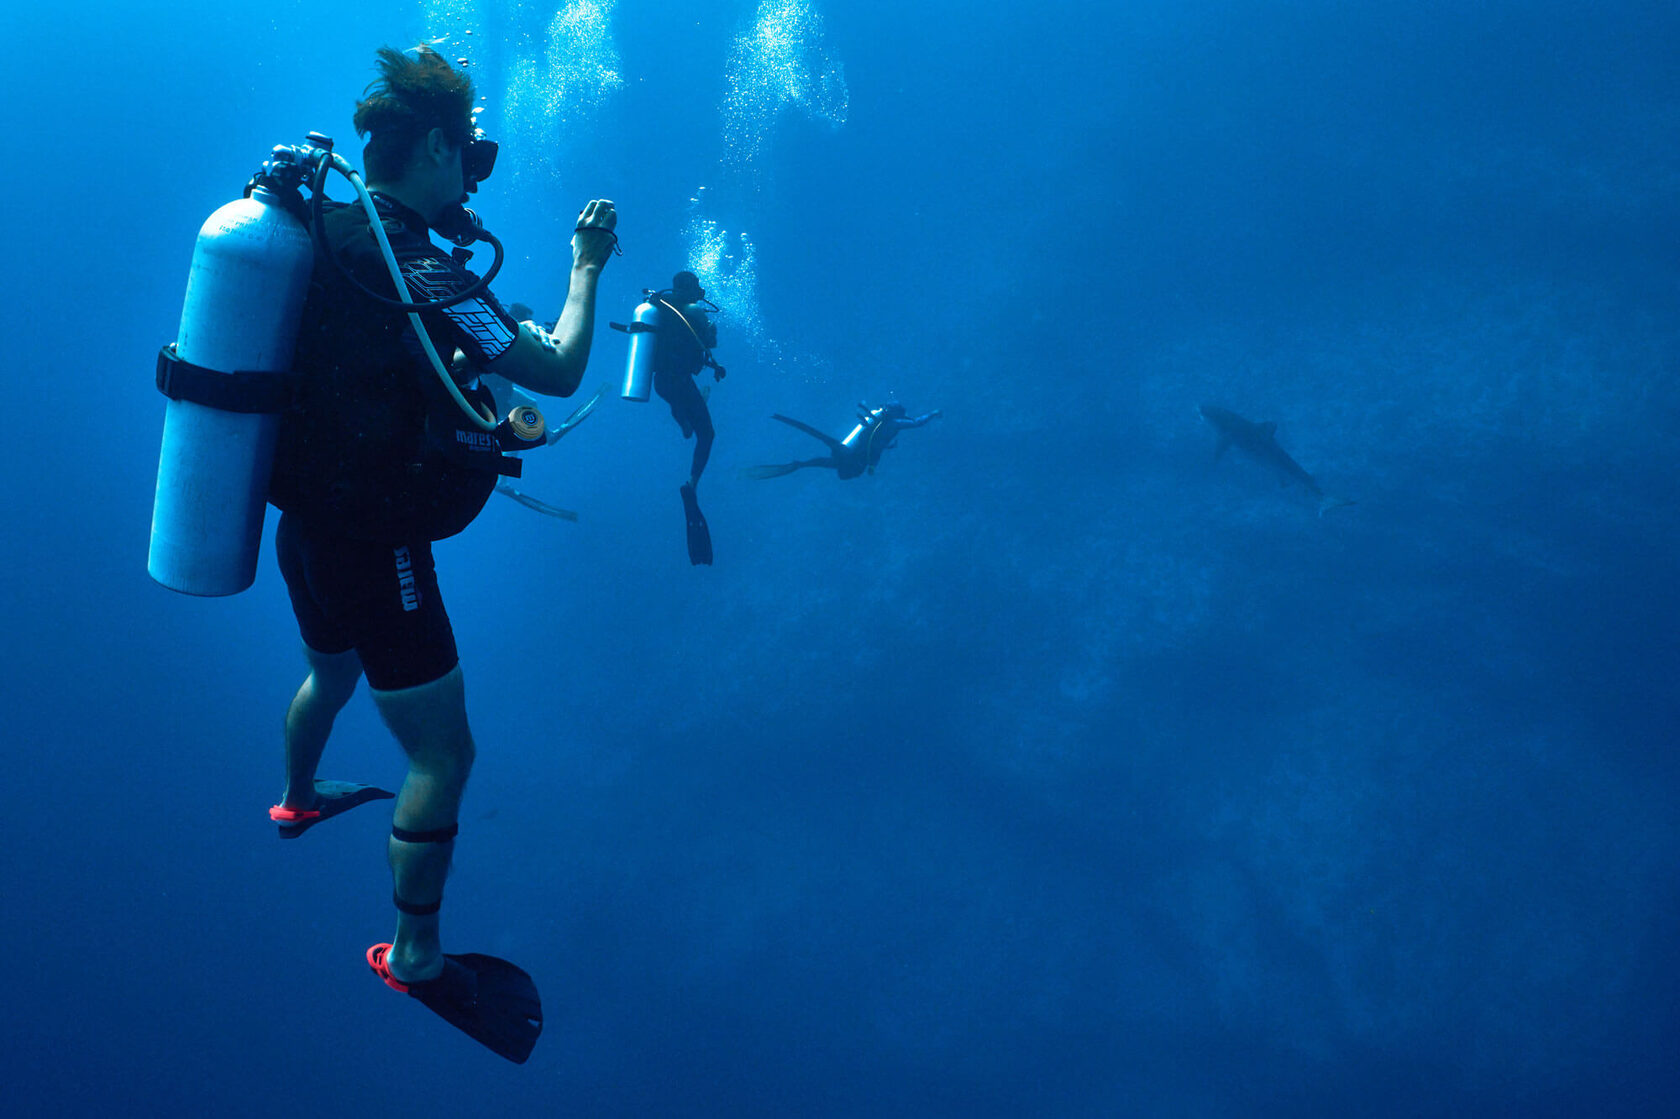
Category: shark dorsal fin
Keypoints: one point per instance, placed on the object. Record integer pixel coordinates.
(1269, 429)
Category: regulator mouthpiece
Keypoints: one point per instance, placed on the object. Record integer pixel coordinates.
(460, 225)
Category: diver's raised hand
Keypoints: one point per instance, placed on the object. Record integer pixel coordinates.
(593, 239)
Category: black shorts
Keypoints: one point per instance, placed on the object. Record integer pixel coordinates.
(688, 403)
(381, 600)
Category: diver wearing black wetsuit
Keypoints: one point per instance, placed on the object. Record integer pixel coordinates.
(686, 337)
(377, 452)
(378, 461)
(683, 347)
(876, 431)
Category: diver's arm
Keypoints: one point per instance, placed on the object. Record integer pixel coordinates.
(553, 363)
(919, 421)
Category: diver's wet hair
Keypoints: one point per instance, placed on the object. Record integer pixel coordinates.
(416, 91)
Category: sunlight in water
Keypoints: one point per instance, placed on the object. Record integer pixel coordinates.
(558, 92)
(728, 271)
(780, 63)
(450, 23)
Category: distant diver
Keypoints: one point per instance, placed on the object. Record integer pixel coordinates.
(671, 341)
(1259, 442)
(859, 452)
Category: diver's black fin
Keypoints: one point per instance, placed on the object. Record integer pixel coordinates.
(534, 504)
(832, 443)
(579, 414)
(769, 470)
(699, 536)
(332, 798)
(490, 1000)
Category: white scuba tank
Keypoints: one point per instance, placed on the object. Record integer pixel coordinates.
(863, 426)
(245, 291)
(644, 341)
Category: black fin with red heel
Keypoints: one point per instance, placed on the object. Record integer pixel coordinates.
(490, 1000)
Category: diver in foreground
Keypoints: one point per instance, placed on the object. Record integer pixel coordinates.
(386, 453)
(876, 431)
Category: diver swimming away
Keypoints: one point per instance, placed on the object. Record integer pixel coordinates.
(1259, 442)
(861, 450)
(307, 371)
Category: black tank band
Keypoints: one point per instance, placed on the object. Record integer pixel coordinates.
(413, 910)
(243, 391)
(436, 835)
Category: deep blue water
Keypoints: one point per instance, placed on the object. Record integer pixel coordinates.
(1055, 769)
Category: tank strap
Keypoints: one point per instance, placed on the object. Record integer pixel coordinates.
(243, 391)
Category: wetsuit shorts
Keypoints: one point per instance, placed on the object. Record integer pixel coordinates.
(688, 404)
(381, 600)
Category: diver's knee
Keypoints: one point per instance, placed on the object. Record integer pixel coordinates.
(447, 764)
(429, 717)
(333, 676)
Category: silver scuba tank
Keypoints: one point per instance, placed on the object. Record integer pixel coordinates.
(644, 340)
(863, 425)
(245, 292)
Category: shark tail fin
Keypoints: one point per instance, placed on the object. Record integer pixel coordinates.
(1328, 501)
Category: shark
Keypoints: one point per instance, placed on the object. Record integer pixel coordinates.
(1259, 442)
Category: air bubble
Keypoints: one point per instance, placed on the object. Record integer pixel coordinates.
(781, 62)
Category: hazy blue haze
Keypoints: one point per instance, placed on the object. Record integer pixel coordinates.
(1055, 769)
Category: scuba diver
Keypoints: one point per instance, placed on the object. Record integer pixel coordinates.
(387, 452)
(683, 334)
(876, 431)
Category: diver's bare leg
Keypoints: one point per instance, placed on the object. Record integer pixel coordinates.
(430, 721)
(309, 719)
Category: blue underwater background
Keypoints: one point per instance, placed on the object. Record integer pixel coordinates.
(1058, 768)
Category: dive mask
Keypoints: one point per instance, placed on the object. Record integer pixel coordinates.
(478, 159)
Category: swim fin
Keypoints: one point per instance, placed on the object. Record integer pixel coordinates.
(699, 535)
(579, 414)
(770, 470)
(490, 1000)
(829, 441)
(332, 798)
(534, 504)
